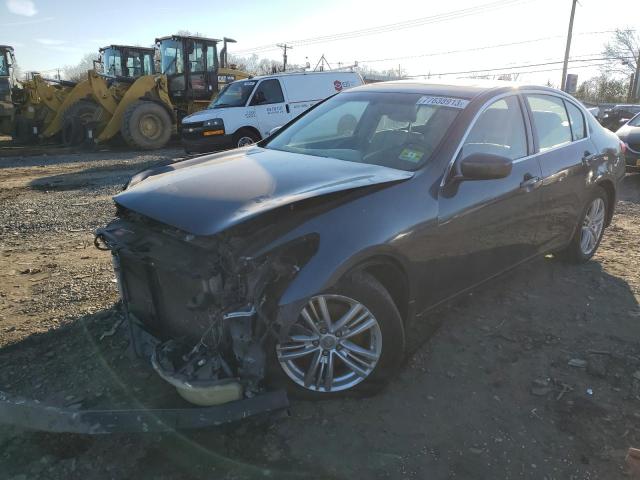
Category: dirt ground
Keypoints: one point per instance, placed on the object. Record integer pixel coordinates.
(535, 375)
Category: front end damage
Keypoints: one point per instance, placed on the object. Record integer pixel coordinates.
(201, 309)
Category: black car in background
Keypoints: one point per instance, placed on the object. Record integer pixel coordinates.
(629, 133)
(618, 115)
(303, 260)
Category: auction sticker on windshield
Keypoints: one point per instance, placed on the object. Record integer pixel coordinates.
(443, 101)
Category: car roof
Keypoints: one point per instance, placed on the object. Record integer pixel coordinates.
(457, 88)
(294, 74)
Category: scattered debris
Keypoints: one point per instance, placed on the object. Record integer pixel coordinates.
(577, 362)
(565, 389)
(112, 331)
(541, 387)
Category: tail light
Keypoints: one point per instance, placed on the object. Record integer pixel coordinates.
(623, 147)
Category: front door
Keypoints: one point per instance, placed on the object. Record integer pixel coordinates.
(487, 226)
(270, 107)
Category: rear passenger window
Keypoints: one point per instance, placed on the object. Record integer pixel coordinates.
(577, 121)
(267, 92)
(498, 131)
(551, 121)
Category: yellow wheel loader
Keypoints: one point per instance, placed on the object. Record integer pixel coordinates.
(94, 105)
(147, 110)
(28, 107)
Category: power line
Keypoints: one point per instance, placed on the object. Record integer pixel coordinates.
(475, 49)
(555, 69)
(513, 67)
(447, 16)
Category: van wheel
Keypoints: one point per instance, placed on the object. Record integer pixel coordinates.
(146, 125)
(347, 340)
(244, 137)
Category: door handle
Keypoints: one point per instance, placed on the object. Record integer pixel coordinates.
(530, 182)
(287, 107)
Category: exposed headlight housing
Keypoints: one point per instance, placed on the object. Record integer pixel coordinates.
(214, 123)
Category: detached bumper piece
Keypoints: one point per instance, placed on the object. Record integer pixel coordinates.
(33, 415)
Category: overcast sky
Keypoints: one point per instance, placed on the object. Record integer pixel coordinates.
(48, 34)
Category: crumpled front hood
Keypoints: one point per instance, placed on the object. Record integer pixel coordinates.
(216, 192)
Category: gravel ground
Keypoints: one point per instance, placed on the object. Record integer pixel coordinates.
(535, 375)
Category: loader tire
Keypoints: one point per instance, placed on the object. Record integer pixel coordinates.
(75, 121)
(146, 125)
(24, 132)
(72, 131)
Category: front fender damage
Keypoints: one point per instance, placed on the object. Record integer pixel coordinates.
(203, 311)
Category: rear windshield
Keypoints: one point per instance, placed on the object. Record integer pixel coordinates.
(234, 94)
(635, 121)
(397, 130)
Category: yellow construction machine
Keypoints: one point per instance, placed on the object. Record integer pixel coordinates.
(147, 110)
(47, 108)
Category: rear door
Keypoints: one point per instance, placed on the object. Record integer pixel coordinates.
(270, 105)
(564, 150)
(487, 226)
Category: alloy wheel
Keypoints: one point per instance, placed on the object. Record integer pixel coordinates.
(244, 141)
(334, 345)
(592, 226)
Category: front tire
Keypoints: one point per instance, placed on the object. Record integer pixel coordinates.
(146, 125)
(244, 137)
(348, 340)
(588, 235)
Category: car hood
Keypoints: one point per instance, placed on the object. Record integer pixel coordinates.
(210, 194)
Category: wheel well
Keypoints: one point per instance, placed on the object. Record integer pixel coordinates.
(393, 278)
(608, 187)
(249, 129)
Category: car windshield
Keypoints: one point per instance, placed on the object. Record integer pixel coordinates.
(635, 121)
(234, 94)
(397, 130)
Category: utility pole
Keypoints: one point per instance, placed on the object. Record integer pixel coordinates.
(635, 83)
(284, 48)
(568, 48)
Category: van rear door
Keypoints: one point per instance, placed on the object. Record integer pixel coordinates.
(270, 106)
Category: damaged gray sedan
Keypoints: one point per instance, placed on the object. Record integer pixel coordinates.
(301, 261)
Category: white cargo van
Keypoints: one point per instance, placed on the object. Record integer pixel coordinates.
(246, 111)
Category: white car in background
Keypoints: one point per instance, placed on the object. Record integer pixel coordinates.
(247, 111)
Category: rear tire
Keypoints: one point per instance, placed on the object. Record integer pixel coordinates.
(146, 125)
(361, 289)
(588, 235)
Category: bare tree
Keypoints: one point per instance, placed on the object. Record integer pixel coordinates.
(603, 89)
(623, 51)
(77, 73)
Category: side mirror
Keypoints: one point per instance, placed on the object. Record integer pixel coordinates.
(484, 166)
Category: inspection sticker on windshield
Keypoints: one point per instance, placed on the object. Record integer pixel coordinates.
(411, 155)
(443, 101)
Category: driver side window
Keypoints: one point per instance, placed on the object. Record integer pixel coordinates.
(499, 130)
(269, 91)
